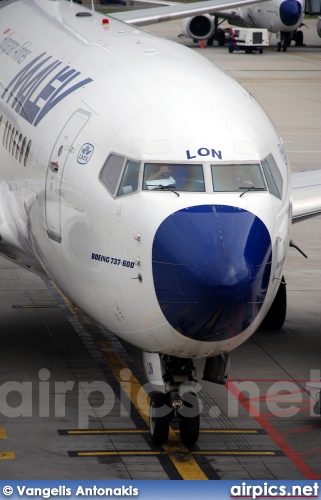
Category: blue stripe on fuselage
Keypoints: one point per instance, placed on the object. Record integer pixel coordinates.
(211, 270)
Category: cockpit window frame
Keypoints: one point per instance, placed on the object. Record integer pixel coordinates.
(112, 187)
(135, 180)
(273, 176)
(164, 177)
(234, 186)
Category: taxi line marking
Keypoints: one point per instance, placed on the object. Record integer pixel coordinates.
(305, 55)
(90, 453)
(7, 455)
(84, 432)
(36, 306)
(3, 434)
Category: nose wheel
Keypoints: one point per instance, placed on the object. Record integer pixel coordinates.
(189, 419)
(184, 410)
(175, 405)
(159, 417)
(282, 45)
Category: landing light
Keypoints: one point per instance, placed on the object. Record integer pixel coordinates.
(176, 404)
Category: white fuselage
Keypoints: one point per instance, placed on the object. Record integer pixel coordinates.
(91, 89)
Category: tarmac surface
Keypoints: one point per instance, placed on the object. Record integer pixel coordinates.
(62, 413)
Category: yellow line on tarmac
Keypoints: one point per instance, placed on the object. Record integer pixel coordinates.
(144, 431)
(7, 455)
(35, 306)
(182, 459)
(3, 434)
(151, 452)
(107, 431)
(113, 453)
(304, 55)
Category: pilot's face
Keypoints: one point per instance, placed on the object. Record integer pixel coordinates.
(165, 169)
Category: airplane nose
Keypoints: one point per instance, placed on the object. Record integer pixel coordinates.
(290, 12)
(211, 270)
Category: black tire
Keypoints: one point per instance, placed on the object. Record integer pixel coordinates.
(260, 50)
(189, 422)
(159, 417)
(285, 46)
(279, 46)
(274, 320)
(221, 38)
(299, 38)
(210, 41)
(230, 49)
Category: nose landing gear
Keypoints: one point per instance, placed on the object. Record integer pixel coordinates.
(184, 411)
(287, 37)
(178, 404)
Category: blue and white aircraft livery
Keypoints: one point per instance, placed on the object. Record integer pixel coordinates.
(172, 236)
(283, 17)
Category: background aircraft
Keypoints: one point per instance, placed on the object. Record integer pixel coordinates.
(283, 17)
(185, 266)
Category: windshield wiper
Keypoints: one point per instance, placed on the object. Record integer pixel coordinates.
(252, 188)
(170, 187)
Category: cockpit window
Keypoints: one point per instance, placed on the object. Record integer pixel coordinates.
(129, 181)
(180, 177)
(273, 176)
(237, 178)
(111, 171)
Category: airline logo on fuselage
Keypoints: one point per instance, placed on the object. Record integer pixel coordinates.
(40, 86)
(85, 153)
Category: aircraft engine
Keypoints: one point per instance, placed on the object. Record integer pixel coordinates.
(319, 26)
(198, 27)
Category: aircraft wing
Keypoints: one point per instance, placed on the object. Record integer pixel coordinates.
(142, 17)
(306, 194)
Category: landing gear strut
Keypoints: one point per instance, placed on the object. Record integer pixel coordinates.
(218, 35)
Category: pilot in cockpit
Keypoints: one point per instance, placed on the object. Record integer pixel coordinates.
(160, 172)
(235, 178)
(159, 175)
